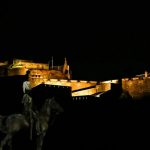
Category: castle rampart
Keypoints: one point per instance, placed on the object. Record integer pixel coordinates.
(137, 87)
(75, 85)
(29, 64)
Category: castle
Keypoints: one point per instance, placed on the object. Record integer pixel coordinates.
(137, 86)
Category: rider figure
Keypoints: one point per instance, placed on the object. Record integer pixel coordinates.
(27, 99)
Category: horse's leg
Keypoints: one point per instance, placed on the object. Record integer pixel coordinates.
(10, 144)
(40, 139)
(5, 140)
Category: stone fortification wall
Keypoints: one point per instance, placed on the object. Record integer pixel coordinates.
(137, 87)
(29, 65)
(5, 63)
(75, 85)
(16, 71)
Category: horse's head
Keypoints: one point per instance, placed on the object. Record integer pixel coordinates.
(52, 105)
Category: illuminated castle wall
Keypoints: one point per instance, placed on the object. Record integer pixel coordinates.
(78, 87)
(60, 75)
(138, 86)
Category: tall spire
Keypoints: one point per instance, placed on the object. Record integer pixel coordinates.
(65, 65)
(66, 68)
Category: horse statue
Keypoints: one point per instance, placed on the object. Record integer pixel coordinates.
(15, 122)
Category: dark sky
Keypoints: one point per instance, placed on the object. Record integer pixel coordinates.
(94, 51)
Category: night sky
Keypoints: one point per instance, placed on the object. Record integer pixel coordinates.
(94, 51)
